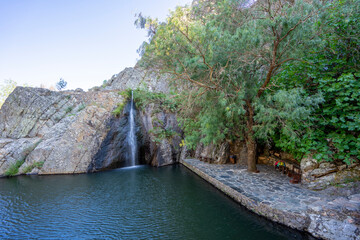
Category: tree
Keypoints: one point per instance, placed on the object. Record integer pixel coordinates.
(6, 89)
(332, 68)
(61, 84)
(231, 53)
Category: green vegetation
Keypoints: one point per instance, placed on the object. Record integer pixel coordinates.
(331, 68)
(119, 109)
(144, 97)
(69, 109)
(160, 134)
(38, 165)
(104, 84)
(14, 168)
(280, 73)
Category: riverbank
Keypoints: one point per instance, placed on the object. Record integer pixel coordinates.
(270, 194)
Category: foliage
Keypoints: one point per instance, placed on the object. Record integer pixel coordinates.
(230, 53)
(14, 168)
(143, 97)
(69, 109)
(61, 84)
(331, 69)
(160, 134)
(6, 89)
(285, 118)
(104, 84)
(119, 109)
(38, 165)
(150, 24)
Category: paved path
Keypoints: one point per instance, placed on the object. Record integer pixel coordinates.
(269, 186)
(270, 194)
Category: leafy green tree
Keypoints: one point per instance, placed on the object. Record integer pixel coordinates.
(231, 52)
(5, 90)
(332, 69)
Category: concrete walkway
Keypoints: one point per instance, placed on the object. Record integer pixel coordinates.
(270, 194)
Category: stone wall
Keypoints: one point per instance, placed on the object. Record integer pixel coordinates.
(319, 175)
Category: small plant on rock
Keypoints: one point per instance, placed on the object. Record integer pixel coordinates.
(14, 168)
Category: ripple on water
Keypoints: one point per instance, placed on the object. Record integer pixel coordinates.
(130, 203)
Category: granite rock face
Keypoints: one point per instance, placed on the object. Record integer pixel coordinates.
(60, 130)
(131, 78)
(74, 131)
(218, 154)
(157, 150)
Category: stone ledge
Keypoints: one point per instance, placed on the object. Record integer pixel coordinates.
(294, 220)
(312, 214)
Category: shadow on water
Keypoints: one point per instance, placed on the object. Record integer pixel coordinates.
(128, 203)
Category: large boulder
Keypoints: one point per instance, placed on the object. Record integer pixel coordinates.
(48, 132)
(161, 136)
(58, 132)
(320, 175)
(218, 154)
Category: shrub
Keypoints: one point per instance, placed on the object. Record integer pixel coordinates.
(38, 165)
(118, 110)
(69, 109)
(14, 168)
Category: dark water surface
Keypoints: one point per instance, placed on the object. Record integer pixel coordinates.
(133, 203)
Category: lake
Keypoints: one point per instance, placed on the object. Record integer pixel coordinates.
(128, 203)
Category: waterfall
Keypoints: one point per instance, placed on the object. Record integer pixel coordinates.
(132, 141)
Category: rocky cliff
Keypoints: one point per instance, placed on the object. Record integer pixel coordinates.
(47, 132)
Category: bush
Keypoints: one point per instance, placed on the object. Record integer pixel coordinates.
(69, 109)
(119, 109)
(14, 168)
(38, 165)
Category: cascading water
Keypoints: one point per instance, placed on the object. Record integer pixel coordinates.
(131, 138)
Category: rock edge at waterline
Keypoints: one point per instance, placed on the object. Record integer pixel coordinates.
(270, 194)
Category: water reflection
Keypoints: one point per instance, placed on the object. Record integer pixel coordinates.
(129, 203)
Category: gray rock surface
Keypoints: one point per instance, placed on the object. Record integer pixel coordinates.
(218, 154)
(61, 132)
(132, 78)
(67, 128)
(160, 151)
(320, 175)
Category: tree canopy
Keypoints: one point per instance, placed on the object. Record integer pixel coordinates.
(244, 68)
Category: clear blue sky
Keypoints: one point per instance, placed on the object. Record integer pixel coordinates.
(82, 41)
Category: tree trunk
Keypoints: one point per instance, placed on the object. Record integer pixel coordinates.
(250, 141)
